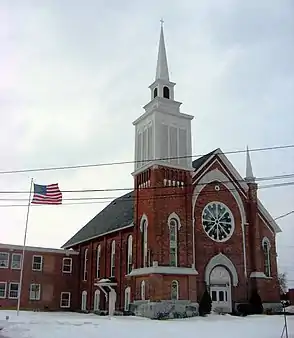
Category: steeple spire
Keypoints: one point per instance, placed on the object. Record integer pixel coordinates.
(162, 67)
(249, 172)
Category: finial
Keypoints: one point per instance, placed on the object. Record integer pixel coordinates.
(161, 22)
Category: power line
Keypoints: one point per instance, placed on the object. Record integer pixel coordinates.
(284, 215)
(264, 178)
(109, 199)
(133, 162)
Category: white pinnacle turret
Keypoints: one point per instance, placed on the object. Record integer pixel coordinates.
(249, 172)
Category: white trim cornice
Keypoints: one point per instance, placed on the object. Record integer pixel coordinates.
(163, 270)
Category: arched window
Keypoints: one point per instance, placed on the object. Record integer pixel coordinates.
(84, 301)
(143, 290)
(174, 290)
(127, 298)
(85, 275)
(154, 92)
(96, 300)
(112, 259)
(266, 246)
(98, 261)
(173, 242)
(144, 241)
(130, 254)
(166, 92)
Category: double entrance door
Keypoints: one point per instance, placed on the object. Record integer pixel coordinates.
(221, 297)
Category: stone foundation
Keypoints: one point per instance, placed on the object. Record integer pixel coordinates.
(165, 309)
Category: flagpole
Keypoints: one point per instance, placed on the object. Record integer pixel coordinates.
(23, 249)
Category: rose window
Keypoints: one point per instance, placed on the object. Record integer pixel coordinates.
(218, 221)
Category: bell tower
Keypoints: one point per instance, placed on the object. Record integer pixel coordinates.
(162, 132)
(163, 269)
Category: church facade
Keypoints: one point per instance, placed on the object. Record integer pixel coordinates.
(186, 227)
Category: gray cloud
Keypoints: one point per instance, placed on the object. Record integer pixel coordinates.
(74, 75)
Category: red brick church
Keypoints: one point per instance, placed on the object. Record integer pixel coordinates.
(185, 227)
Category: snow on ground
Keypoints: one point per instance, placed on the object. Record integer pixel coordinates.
(73, 325)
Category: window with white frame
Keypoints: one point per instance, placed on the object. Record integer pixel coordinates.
(85, 274)
(65, 300)
(127, 298)
(143, 287)
(16, 261)
(173, 242)
(175, 290)
(4, 259)
(130, 254)
(13, 290)
(35, 292)
(144, 243)
(98, 257)
(67, 265)
(37, 263)
(3, 289)
(267, 256)
(112, 259)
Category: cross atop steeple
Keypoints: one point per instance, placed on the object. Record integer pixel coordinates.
(161, 22)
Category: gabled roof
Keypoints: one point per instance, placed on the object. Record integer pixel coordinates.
(118, 214)
(271, 222)
(196, 164)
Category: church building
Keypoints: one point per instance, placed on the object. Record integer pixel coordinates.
(187, 225)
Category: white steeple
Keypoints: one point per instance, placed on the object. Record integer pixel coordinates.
(162, 67)
(163, 132)
(249, 172)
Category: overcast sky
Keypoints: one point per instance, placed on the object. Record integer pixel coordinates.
(75, 74)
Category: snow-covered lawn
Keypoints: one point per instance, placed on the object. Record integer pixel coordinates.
(73, 325)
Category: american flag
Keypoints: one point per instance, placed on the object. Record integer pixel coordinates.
(47, 194)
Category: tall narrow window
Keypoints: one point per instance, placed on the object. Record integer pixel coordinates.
(127, 298)
(144, 243)
(96, 300)
(143, 290)
(154, 92)
(173, 242)
(175, 290)
(112, 259)
(267, 259)
(130, 254)
(85, 276)
(98, 261)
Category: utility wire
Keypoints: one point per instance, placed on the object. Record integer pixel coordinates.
(264, 178)
(141, 161)
(106, 199)
(284, 215)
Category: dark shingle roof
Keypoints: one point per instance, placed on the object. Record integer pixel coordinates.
(116, 215)
(201, 160)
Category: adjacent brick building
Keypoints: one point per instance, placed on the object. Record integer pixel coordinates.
(185, 227)
(50, 278)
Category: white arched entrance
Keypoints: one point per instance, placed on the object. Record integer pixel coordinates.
(84, 301)
(220, 276)
(220, 286)
(96, 300)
